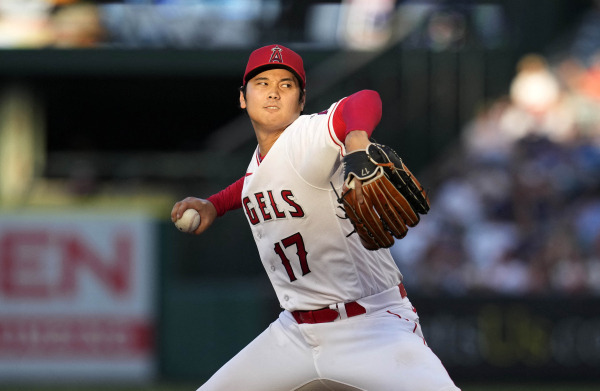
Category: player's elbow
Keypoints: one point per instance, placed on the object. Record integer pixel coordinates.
(370, 101)
(370, 95)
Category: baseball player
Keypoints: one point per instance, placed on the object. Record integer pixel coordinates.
(347, 323)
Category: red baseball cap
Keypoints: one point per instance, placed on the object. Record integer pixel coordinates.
(275, 56)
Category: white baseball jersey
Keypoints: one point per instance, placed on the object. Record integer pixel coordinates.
(293, 212)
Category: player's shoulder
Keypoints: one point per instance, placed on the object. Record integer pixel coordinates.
(314, 120)
(327, 112)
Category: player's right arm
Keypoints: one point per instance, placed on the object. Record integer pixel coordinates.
(215, 206)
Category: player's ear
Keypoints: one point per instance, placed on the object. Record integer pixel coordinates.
(303, 100)
(242, 99)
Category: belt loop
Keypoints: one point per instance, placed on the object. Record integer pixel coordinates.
(341, 309)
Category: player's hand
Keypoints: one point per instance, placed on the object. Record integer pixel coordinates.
(207, 211)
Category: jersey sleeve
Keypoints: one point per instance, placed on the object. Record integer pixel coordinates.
(229, 198)
(359, 111)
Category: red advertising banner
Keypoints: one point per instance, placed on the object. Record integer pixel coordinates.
(77, 296)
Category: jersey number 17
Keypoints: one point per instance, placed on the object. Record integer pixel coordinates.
(293, 240)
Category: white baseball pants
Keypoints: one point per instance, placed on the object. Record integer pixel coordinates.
(382, 350)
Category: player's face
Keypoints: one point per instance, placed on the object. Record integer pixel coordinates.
(272, 100)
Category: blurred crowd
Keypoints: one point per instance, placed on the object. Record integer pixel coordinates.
(50, 24)
(355, 24)
(516, 204)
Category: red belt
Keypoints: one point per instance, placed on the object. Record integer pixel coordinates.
(326, 315)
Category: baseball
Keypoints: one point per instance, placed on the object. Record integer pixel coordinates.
(189, 221)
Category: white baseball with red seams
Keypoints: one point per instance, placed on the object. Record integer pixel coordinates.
(189, 221)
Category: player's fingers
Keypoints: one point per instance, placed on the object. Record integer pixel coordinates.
(203, 226)
(208, 214)
(175, 214)
(180, 207)
(359, 193)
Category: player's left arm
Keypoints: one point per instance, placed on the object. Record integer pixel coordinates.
(360, 111)
(355, 121)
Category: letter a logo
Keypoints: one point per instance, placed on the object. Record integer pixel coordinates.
(276, 55)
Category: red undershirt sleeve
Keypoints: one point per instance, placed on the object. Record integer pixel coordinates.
(229, 198)
(359, 111)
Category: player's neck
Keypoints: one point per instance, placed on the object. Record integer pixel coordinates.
(266, 140)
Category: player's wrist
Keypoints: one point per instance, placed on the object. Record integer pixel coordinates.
(356, 140)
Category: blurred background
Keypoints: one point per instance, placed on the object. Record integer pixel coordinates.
(111, 111)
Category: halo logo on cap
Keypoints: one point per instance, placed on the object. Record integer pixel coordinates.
(276, 55)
